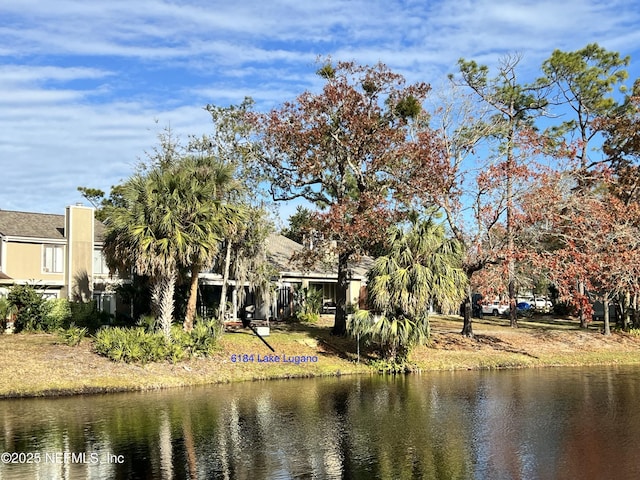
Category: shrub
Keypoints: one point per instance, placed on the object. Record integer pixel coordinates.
(308, 300)
(86, 314)
(130, 345)
(28, 305)
(138, 345)
(394, 336)
(56, 313)
(563, 309)
(201, 341)
(73, 335)
(34, 313)
(634, 332)
(308, 317)
(204, 336)
(148, 322)
(175, 352)
(109, 342)
(5, 310)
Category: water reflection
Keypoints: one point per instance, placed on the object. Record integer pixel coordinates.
(525, 424)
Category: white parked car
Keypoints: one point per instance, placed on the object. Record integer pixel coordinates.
(494, 308)
(540, 304)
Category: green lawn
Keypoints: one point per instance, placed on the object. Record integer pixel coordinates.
(38, 364)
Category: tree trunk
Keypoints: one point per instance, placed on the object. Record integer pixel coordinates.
(513, 310)
(193, 299)
(467, 328)
(581, 314)
(156, 295)
(511, 267)
(605, 305)
(626, 315)
(222, 308)
(166, 304)
(340, 322)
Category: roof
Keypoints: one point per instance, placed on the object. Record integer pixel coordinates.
(280, 250)
(38, 225)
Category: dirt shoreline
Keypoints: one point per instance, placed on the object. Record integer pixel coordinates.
(37, 365)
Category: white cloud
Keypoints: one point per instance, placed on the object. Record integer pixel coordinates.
(22, 73)
(82, 84)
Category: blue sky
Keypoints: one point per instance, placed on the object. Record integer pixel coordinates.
(85, 87)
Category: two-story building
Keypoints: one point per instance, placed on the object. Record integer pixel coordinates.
(59, 255)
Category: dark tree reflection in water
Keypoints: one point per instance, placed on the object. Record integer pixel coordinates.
(522, 424)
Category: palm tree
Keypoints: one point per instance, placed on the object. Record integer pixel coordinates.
(172, 217)
(139, 238)
(208, 217)
(422, 268)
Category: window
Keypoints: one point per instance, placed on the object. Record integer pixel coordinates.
(105, 302)
(49, 295)
(53, 259)
(99, 263)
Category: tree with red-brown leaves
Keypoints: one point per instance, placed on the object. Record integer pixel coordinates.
(586, 235)
(359, 151)
(587, 216)
(622, 146)
(582, 84)
(622, 149)
(488, 140)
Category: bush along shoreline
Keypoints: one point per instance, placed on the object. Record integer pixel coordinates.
(138, 360)
(53, 368)
(79, 358)
(138, 344)
(72, 321)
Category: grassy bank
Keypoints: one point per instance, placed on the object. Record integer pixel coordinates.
(38, 364)
(539, 342)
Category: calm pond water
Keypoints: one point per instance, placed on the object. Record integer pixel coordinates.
(523, 424)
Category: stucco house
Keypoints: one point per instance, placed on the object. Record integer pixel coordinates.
(290, 277)
(322, 277)
(59, 255)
